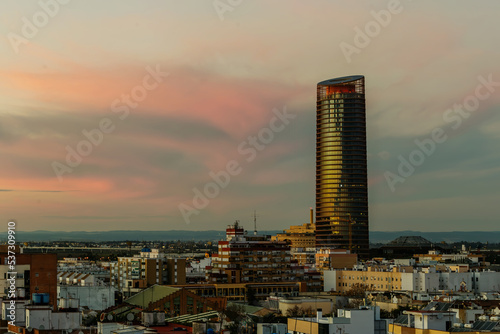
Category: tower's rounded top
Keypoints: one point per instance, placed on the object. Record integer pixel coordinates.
(341, 80)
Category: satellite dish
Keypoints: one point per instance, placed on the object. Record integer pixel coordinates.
(110, 317)
(80, 332)
(29, 329)
(130, 317)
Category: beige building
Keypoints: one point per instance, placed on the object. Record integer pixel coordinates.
(375, 278)
(335, 259)
(301, 236)
(283, 304)
(432, 280)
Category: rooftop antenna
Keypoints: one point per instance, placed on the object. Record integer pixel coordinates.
(254, 222)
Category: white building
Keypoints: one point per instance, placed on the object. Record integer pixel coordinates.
(96, 298)
(437, 318)
(42, 317)
(431, 280)
(22, 272)
(75, 278)
(365, 320)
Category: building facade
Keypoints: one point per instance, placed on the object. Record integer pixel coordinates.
(301, 236)
(429, 280)
(365, 320)
(341, 167)
(132, 274)
(244, 258)
(335, 259)
(247, 259)
(35, 274)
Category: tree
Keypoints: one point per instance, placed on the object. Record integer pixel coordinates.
(357, 290)
(234, 312)
(308, 312)
(354, 303)
(294, 312)
(297, 311)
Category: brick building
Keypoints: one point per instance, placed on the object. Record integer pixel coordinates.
(35, 273)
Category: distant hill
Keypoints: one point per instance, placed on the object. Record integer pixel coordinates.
(122, 235)
(448, 237)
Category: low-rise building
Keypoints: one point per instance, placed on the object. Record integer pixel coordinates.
(284, 303)
(327, 259)
(95, 298)
(432, 280)
(365, 320)
(440, 321)
(264, 328)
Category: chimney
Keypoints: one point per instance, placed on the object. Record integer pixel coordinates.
(319, 314)
(311, 213)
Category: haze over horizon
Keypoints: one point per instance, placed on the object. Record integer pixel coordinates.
(211, 84)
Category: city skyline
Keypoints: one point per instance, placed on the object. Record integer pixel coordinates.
(168, 108)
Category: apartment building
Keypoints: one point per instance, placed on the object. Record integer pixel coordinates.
(301, 236)
(240, 291)
(75, 265)
(302, 241)
(375, 278)
(435, 256)
(246, 258)
(405, 278)
(35, 274)
(365, 320)
(437, 318)
(132, 274)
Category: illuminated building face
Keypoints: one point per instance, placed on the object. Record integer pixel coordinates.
(341, 169)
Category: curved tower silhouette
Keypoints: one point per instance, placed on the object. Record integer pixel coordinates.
(341, 167)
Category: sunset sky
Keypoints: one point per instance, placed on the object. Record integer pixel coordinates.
(224, 70)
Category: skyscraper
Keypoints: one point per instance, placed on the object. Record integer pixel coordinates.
(341, 169)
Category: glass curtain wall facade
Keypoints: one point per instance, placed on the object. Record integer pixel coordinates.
(341, 167)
